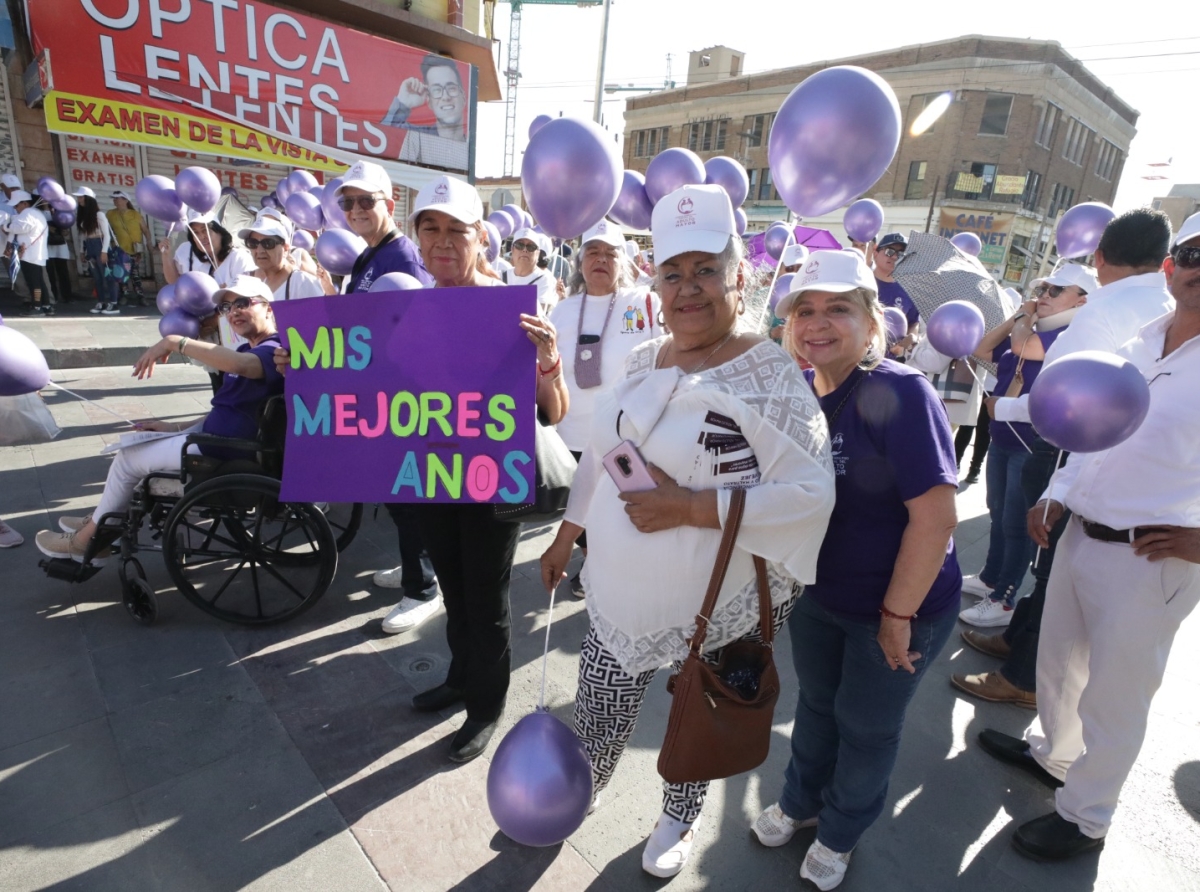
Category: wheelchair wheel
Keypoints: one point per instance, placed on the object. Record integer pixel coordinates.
(239, 554)
(345, 519)
(136, 593)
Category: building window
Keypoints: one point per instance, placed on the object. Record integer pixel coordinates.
(920, 103)
(995, 115)
(753, 175)
(975, 184)
(1076, 142)
(1033, 187)
(757, 130)
(735, 66)
(1106, 160)
(1061, 198)
(766, 187)
(916, 180)
(648, 143)
(707, 136)
(1044, 136)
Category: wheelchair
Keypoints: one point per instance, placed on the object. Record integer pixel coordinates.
(230, 545)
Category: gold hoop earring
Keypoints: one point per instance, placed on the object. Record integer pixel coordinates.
(661, 322)
(741, 306)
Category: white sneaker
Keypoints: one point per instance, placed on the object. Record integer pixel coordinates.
(987, 614)
(774, 828)
(973, 585)
(823, 867)
(95, 311)
(409, 614)
(110, 310)
(668, 846)
(72, 524)
(9, 538)
(388, 578)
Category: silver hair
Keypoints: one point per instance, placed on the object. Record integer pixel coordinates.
(627, 273)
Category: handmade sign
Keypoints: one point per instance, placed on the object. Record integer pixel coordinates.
(410, 396)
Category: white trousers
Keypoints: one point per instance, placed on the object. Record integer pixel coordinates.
(1107, 630)
(132, 464)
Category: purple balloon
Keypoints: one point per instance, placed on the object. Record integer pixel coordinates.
(833, 138)
(41, 182)
(673, 169)
(177, 322)
(334, 217)
(283, 189)
(504, 224)
(1080, 228)
(199, 188)
(63, 219)
(527, 220)
(305, 210)
(23, 368)
(775, 239)
(968, 243)
(66, 203)
(300, 181)
(516, 212)
(337, 249)
(729, 175)
(194, 294)
(318, 192)
(863, 220)
(395, 282)
(538, 123)
(1088, 401)
(895, 322)
(269, 201)
(955, 328)
(571, 176)
(739, 217)
(229, 190)
(303, 239)
(782, 286)
(539, 785)
(156, 196)
(50, 189)
(494, 240)
(165, 299)
(633, 207)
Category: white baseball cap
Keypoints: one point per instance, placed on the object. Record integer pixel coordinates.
(197, 217)
(452, 196)
(246, 286)
(542, 241)
(793, 255)
(271, 225)
(693, 218)
(606, 232)
(10, 181)
(1188, 231)
(836, 271)
(1082, 277)
(368, 176)
(631, 249)
(120, 194)
(84, 191)
(18, 196)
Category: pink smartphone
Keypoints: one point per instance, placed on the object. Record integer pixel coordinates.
(628, 469)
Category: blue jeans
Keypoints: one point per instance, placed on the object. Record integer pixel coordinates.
(1009, 548)
(848, 718)
(107, 288)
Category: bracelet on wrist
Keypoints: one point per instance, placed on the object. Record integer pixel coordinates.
(557, 365)
(179, 347)
(890, 615)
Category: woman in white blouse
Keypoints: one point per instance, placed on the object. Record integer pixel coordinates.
(97, 238)
(710, 407)
(209, 248)
(268, 239)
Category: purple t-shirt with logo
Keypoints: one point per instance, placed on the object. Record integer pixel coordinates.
(892, 294)
(398, 256)
(1006, 370)
(236, 405)
(891, 443)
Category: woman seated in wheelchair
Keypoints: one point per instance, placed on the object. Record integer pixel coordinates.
(250, 379)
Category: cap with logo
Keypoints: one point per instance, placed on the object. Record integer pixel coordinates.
(368, 176)
(607, 232)
(892, 238)
(542, 241)
(246, 286)
(692, 218)
(836, 271)
(1082, 277)
(270, 225)
(793, 255)
(452, 196)
(18, 196)
(1189, 231)
(84, 192)
(10, 181)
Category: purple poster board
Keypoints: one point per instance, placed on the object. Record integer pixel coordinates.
(410, 396)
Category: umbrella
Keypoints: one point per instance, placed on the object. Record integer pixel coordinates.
(813, 239)
(934, 272)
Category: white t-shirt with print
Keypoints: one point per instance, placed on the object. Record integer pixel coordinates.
(547, 290)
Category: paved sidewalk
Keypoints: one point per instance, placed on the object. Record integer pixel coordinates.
(195, 755)
(75, 339)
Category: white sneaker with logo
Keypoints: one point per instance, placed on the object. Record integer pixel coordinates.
(409, 614)
(774, 828)
(987, 614)
(823, 867)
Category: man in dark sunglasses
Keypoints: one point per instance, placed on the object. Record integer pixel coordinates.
(366, 198)
(891, 293)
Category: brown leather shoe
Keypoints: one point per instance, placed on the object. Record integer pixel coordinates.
(992, 645)
(995, 688)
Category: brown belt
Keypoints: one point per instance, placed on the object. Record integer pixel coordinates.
(1107, 534)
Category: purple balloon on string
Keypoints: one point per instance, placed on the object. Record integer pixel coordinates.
(337, 249)
(503, 223)
(739, 217)
(833, 138)
(956, 328)
(303, 239)
(775, 239)
(199, 188)
(305, 210)
(1080, 228)
(395, 282)
(51, 190)
(673, 169)
(493, 240)
(178, 322)
(571, 176)
(863, 220)
(194, 292)
(335, 218)
(165, 299)
(66, 203)
(41, 182)
(301, 181)
(783, 285)
(156, 196)
(968, 243)
(269, 201)
(729, 174)
(23, 368)
(896, 324)
(539, 785)
(633, 207)
(538, 123)
(63, 219)
(1089, 401)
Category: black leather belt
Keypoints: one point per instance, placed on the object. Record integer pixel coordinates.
(1107, 534)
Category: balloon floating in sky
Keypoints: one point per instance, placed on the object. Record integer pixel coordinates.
(863, 220)
(775, 239)
(1080, 228)
(955, 328)
(739, 217)
(198, 188)
(504, 223)
(1088, 401)
(305, 210)
(156, 196)
(493, 240)
(23, 368)
(968, 243)
(301, 181)
(165, 299)
(538, 123)
(633, 207)
(303, 239)
(194, 292)
(673, 169)
(571, 176)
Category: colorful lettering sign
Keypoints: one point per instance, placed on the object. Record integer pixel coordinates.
(993, 231)
(410, 396)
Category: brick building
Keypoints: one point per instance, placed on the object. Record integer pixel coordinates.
(1029, 133)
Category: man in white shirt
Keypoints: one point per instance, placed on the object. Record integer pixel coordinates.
(1127, 576)
(30, 228)
(529, 250)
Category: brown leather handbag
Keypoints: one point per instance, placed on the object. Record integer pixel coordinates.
(721, 714)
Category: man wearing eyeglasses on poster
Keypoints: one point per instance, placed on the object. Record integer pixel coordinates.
(443, 144)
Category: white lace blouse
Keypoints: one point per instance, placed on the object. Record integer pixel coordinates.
(752, 422)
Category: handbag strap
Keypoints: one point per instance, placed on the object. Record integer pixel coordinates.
(733, 522)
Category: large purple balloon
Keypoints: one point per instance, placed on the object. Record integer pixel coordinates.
(283, 189)
(334, 217)
(783, 285)
(775, 239)
(895, 322)
(833, 138)
(571, 176)
(156, 196)
(194, 293)
(1088, 401)
(539, 785)
(165, 299)
(538, 123)
(673, 169)
(337, 249)
(178, 322)
(318, 192)
(517, 213)
(956, 328)
(66, 203)
(199, 188)
(1080, 228)
(504, 223)
(63, 219)
(863, 220)
(269, 201)
(739, 217)
(633, 207)
(50, 189)
(729, 174)
(305, 210)
(300, 181)
(23, 368)
(395, 282)
(968, 243)
(303, 239)
(493, 241)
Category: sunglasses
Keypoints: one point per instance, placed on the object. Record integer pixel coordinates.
(1187, 257)
(364, 202)
(524, 246)
(1056, 290)
(270, 243)
(238, 303)
(893, 252)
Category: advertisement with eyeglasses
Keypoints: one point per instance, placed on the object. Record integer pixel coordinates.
(249, 80)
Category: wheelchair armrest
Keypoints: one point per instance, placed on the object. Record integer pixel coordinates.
(250, 446)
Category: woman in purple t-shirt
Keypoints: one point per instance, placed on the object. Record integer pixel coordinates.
(888, 583)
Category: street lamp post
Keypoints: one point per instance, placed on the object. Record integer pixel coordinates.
(599, 106)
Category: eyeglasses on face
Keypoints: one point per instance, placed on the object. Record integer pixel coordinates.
(1056, 290)
(364, 202)
(528, 247)
(1187, 256)
(238, 303)
(893, 252)
(270, 243)
(450, 91)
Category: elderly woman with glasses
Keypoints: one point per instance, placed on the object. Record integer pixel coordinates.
(530, 253)
(268, 239)
(711, 407)
(250, 379)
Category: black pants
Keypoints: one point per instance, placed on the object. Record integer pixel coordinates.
(60, 278)
(417, 579)
(473, 553)
(983, 438)
(32, 274)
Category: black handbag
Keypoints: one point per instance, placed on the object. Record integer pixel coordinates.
(554, 473)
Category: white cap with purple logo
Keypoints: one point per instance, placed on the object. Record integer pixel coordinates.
(692, 218)
(835, 271)
(452, 196)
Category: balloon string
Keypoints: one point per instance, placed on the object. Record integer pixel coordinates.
(983, 386)
(791, 240)
(92, 402)
(546, 652)
(1046, 509)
